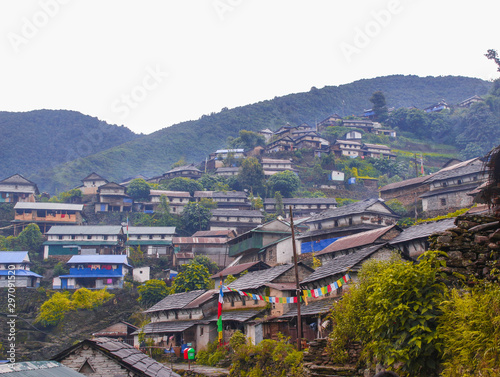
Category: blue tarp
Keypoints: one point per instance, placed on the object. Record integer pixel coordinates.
(315, 246)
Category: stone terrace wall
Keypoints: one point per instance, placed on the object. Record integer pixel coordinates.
(473, 248)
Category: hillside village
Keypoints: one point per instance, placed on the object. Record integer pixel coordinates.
(339, 223)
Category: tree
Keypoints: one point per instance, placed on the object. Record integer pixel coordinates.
(379, 106)
(191, 277)
(251, 175)
(139, 189)
(278, 204)
(286, 182)
(30, 239)
(196, 216)
(183, 184)
(248, 140)
(493, 55)
(207, 262)
(151, 292)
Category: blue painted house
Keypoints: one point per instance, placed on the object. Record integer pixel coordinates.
(15, 268)
(94, 272)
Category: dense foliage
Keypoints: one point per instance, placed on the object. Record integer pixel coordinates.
(286, 182)
(139, 189)
(152, 291)
(394, 311)
(191, 277)
(30, 239)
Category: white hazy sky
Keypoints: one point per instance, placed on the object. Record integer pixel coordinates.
(153, 63)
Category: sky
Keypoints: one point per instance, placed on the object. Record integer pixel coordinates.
(153, 63)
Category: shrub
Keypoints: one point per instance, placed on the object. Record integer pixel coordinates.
(53, 310)
(84, 298)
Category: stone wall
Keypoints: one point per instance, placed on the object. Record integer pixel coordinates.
(473, 248)
(102, 365)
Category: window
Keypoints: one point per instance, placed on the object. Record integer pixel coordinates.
(201, 330)
(445, 184)
(459, 181)
(89, 237)
(443, 201)
(232, 302)
(176, 315)
(243, 301)
(350, 220)
(256, 302)
(335, 223)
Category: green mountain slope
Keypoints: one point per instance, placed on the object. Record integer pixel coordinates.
(153, 154)
(36, 140)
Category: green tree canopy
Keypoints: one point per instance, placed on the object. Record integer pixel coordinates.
(286, 182)
(183, 184)
(30, 239)
(195, 217)
(251, 175)
(248, 140)
(191, 277)
(139, 189)
(152, 291)
(379, 106)
(207, 262)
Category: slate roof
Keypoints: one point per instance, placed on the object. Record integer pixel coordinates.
(341, 264)
(236, 212)
(49, 206)
(112, 185)
(356, 240)
(199, 240)
(219, 194)
(14, 257)
(239, 268)
(126, 355)
(313, 308)
(85, 229)
(167, 327)
(423, 230)
(94, 177)
(146, 230)
(275, 161)
(406, 182)
(377, 146)
(176, 301)
(257, 279)
(182, 168)
(37, 369)
(17, 179)
(213, 233)
(107, 259)
(228, 169)
(350, 209)
(463, 168)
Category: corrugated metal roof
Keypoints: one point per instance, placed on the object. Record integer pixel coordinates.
(85, 229)
(176, 301)
(81, 243)
(256, 279)
(37, 369)
(341, 264)
(108, 259)
(423, 230)
(236, 212)
(302, 201)
(313, 308)
(199, 240)
(167, 327)
(352, 209)
(213, 233)
(183, 194)
(338, 232)
(356, 240)
(145, 230)
(182, 168)
(20, 273)
(49, 206)
(237, 315)
(14, 257)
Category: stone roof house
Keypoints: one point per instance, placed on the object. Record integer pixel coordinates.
(16, 188)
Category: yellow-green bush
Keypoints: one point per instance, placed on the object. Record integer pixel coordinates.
(84, 298)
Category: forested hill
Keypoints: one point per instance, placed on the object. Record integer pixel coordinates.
(42, 139)
(154, 154)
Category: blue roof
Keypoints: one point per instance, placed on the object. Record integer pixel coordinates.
(108, 259)
(91, 276)
(20, 273)
(13, 256)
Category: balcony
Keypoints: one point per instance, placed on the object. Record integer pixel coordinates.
(253, 243)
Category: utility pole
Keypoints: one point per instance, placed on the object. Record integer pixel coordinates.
(298, 290)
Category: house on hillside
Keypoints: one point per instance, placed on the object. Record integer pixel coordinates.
(436, 107)
(16, 189)
(111, 197)
(225, 233)
(94, 272)
(347, 148)
(365, 125)
(353, 135)
(15, 269)
(46, 215)
(222, 154)
(272, 166)
(283, 144)
(236, 270)
(176, 201)
(413, 241)
(225, 199)
(470, 101)
(91, 183)
(407, 192)
(390, 133)
(214, 248)
(154, 241)
(187, 171)
(227, 172)
(449, 187)
(332, 120)
(377, 151)
(349, 244)
(110, 357)
(267, 133)
(65, 241)
(238, 220)
(181, 318)
(301, 206)
(309, 140)
(120, 331)
(270, 243)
